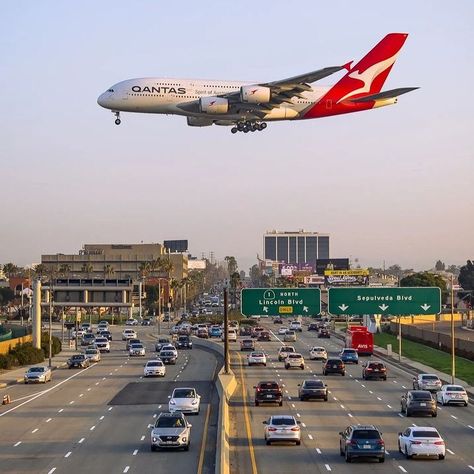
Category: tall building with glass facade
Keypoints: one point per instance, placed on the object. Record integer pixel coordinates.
(296, 247)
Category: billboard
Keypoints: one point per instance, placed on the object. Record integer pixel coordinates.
(357, 277)
(195, 264)
(333, 263)
(176, 245)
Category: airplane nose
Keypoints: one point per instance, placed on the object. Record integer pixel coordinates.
(102, 100)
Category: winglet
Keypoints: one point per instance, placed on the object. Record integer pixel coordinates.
(347, 65)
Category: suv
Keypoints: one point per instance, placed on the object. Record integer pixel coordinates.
(429, 382)
(264, 336)
(313, 327)
(324, 333)
(168, 356)
(102, 343)
(294, 360)
(296, 326)
(184, 342)
(358, 441)
(162, 341)
(374, 369)
(334, 366)
(418, 401)
(247, 345)
(268, 392)
(171, 430)
(88, 339)
(283, 352)
(349, 355)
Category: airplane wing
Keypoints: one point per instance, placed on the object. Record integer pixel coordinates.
(384, 95)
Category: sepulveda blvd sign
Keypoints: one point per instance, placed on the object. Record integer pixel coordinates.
(394, 301)
(280, 301)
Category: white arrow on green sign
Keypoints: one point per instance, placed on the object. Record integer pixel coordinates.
(395, 301)
(281, 301)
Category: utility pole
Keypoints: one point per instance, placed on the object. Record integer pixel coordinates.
(399, 338)
(158, 317)
(453, 350)
(51, 296)
(226, 333)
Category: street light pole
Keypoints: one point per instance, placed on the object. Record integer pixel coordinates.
(226, 333)
(399, 338)
(51, 295)
(158, 316)
(453, 354)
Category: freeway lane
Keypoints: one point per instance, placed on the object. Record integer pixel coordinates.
(98, 421)
(352, 400)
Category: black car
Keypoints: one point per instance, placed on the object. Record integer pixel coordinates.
(420, 402)
(78, 360)
(106, 334)
(168, 357)
(245, 330)
(146, 322)
(162, 341)
(311, 389)
(361, 441)
(184, 342)
(132, 341)
(313, 327)
(374, 369)
(324, 333)
(264, 336)
(268, 392)
(334, 366)
(278, 321)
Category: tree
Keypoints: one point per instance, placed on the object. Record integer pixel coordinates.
(151, 297)
(440, 266)
(144, 269)
(40, 270)
(10, 269)
(395, 270)
(466, 276)
(231, 265)
(6, 296)
(426, 279)
(87, 268)
(108, 271)
(64, 269)
(454, 269)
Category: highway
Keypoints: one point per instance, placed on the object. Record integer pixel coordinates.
(351, 400)
(98, 419)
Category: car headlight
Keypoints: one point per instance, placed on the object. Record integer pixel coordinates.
(194, 402)
(184, 439)
(172, 402)
(154, 439)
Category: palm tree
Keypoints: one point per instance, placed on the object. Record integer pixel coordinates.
(231, 265)
(10, 270)
(40, 270)
(87, 268)
(108, 271)
(144, 269)
(64, 269)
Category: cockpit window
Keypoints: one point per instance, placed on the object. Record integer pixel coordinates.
(110, 90)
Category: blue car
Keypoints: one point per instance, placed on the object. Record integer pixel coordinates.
(215, 332)
(349, 356)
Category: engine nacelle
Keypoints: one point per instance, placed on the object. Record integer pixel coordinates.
(255, 94)
(199, 122)
(213, 105)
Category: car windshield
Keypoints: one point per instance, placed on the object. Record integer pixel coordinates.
(425, 434)
(91, 351)
(290, 333)
(166, 353)
(36, 369)
(454, 389)
(333, 361)
(429, 377)
(137, 346)
(350, 351)
(283, 421)
(421, 396)
(154, 363)
(257, 354)
(294, 356)
(287, 349)
(366, 434)
(376, 366)
(169, 422)
(269, 385)
(184, 393)
(77, 357)
(101, 339)
(318, 349)
(313, 384)
(163, 341)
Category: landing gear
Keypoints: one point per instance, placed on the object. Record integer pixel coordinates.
(248, 126)
(117, 120)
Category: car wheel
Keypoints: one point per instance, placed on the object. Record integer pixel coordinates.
(302, 367)
(408, 456)
(435, 414)
(324, 372)
(301, 399)
(325, 399)
(298, 443)
(186, 448)
(343, 374)
(268, 442)
(385, 379)
(382, 459)
(256, 403)
(26, 383)
(287, 367)
(465, 404)
(153, 448)
(441, 457)
(281, 403)
(407, 412)
(348, 458)
(399, 447)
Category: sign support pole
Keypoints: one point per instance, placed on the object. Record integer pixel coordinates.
(453, 354)
(399, 338)
(226, 334)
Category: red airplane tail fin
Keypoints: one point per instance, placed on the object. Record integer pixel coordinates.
(369, 74)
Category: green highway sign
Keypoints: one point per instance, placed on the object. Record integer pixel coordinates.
(281, 301)
(395, 301)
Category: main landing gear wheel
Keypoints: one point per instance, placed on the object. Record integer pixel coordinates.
(248, 126)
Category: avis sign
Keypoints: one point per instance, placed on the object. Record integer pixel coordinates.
(280, 301)
(393, 301)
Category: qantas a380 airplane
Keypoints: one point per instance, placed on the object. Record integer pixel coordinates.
(247, 106)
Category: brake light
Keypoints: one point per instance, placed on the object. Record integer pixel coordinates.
(296, 428)
(380, 442)
(258, 389)
(272, 429)
(352, 443)
(439, 443)
(368, 369)
(415, 442)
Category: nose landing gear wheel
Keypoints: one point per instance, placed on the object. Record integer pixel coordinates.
(118, 121)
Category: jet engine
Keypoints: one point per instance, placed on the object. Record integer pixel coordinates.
(199, 122)
(213, 105)
(255, 94)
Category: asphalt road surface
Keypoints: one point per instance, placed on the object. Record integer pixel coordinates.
(351, 400)
(98, 419)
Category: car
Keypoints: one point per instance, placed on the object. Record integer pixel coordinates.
(374, 369)
(361, 441)
(78, 333)
(429, 382)
(162, 341)
(146, 322)
(166, 318)
(185, 400)
(313, 327)
(92, 354)
(128, 334)
(137, 349)
(215, 331)
(349, 355)
(264, 336)
(78, 360)
(202, 333)
(296, 326)
(168, 356)
(278, 321)
(324, 333)
(452, 394)
(282, 428)
(132, 341)
(102, 326)
(171, 430)
(154, 367)
(231, 335)
(256, 331)
(418, 401)
(170, 347)
(88, 339)
(282, 331)
(334, 366)
(311, 389)
(290, 336)
(86, 327)
(268, 392)
(294, 360)
(421, 441)
(38, 374)
(184, 330)
(318, 353)
(247, 345)
(131, 322)
(107, 334)
(245, 331)
(257, 358)
(283, 352)
(102, 343)
(184, 342)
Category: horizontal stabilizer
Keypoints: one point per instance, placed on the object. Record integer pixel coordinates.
(384, 95)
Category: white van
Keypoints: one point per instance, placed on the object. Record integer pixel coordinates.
(296, 326)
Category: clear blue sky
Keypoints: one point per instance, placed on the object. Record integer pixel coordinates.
(394, 184)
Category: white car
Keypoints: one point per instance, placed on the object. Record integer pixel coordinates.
(294, 360)
(232, 335)
(128, 334)
(102, 343)
(170, 347)
(92, 354)
(86, 327)
(257, 358)
(80, 333)
(282, 428)
(137, 349)
(296, 326)
(131, 322)
(421, 441)
(39, 374)
(429, 382)
(318, 353)
(154, 367)
(290, 336)
(452, 394)
(185, 400)
(282, 331)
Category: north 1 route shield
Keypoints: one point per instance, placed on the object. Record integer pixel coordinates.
(395, 301)
(281, 301)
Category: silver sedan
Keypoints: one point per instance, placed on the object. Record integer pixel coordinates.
(41, 374)
(282, 428)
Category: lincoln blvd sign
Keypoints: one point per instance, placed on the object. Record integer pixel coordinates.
(281, 301)
(394, 301)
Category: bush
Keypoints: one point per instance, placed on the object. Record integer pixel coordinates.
(26, 354)
(7, 361)
(56, 344)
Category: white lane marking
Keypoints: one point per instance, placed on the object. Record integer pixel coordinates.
(121, 365)
(177, 376)
(110, 408)
(159, 406)
(400, 415)
(328, 467)
(97, 383)
(310, 436)
(102, 417)
(141, 377)
(81, 395)
(342, 406)
(68, 454)
(126, 468)
(362, 385)
(303, 425)
(298, 415)
(89, 389)
(150, 426)
(135, 452)
(142, 438)
(61, 410)
(395, 381)
(92, 428)
(318, 450)
(289, 397)
(335, 398)
(349, 415)
(403, 386)
(370, 391)
(104, 378)
(387, 453)
(455, 417)
(471, 467)
(155, 415)
(402, 469)
(293, 405)
(17, 444)
(329, 391)
(81, 440)
(34, 431)
(286, 391)
(449, 451)
(389, 406)
(470, 426)
(413, 424)
(71, 402)
(52, 470)
(48, 420)
(378, 398)
(439, 408)
(115, 370)
(350, 375)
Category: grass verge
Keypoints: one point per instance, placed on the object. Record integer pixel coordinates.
(426, 355)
